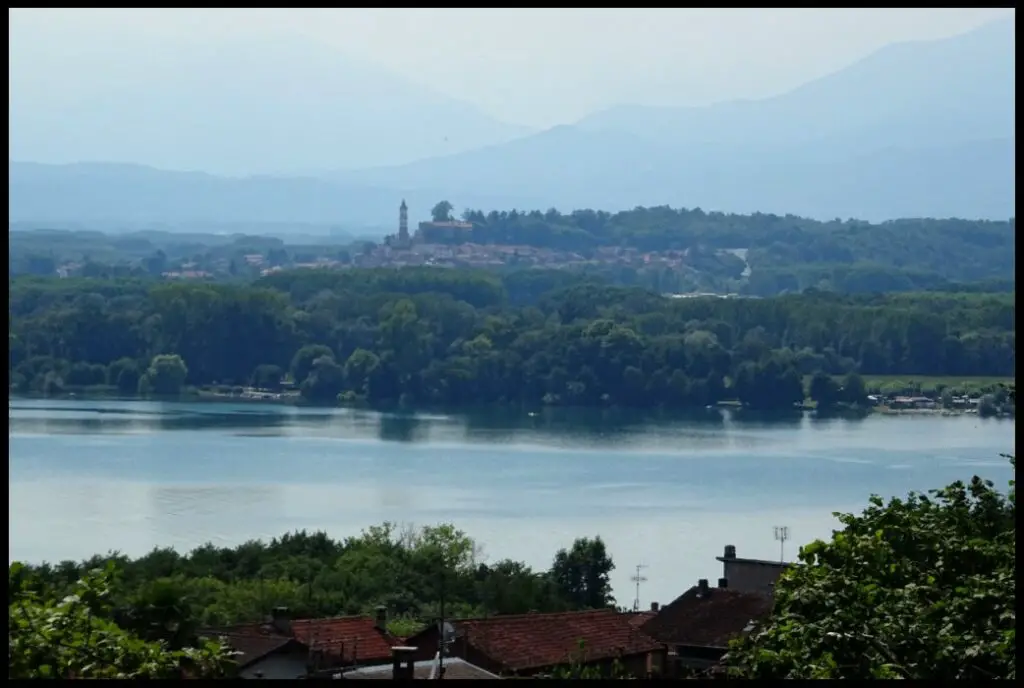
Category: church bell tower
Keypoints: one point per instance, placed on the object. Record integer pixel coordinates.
(403, 223)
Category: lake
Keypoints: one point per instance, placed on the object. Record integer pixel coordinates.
(667, 492)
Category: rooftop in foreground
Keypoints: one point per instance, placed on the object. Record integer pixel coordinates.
(454, 668)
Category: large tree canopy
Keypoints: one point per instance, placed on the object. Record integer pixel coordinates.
(920, 588)
(442, 212)
(582, 573)
(76, 637)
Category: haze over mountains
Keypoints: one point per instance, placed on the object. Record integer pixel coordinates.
(916, 129)
(906, 94)
(238, 107)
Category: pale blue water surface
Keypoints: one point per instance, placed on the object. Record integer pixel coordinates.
(88, 477)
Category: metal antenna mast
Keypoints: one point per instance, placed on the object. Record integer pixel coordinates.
(440, 634)
(782, 534)
(638, 579)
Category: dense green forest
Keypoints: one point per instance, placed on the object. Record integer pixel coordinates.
(436, 336)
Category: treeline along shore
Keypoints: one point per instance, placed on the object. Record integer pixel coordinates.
(455, 337)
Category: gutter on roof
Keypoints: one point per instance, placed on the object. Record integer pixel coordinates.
(253, 658)
(699, 647)
(762, 562)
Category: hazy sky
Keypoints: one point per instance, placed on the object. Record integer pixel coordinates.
(549, 66)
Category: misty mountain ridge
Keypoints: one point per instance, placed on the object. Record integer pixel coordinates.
(915, 129)
(860, 142)
(116, 195)
(921, 92)
(281, 106)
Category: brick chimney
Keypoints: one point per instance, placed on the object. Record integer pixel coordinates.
(655, 606)
(281, 620)
(723, 582)
(380, 619)
(730, 552)
(702, 587)
(402, 663)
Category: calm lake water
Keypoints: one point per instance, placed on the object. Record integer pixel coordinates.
(669, 492)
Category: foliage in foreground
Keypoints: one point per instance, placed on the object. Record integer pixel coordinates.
(921, 588)
(75, 637)
(167, 596)
(578, 669)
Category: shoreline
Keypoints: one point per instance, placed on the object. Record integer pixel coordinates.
(293, 399)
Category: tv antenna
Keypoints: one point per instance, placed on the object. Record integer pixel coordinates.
(446, 632)
(782, 534)
(638, 579)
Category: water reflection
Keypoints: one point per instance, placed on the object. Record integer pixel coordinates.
(402, 427)
(565, 427)
(132, 417)
(552, 428)
(752, 417)
(843, 414)
(575, 427)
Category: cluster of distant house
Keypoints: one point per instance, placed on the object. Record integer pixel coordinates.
(690, 634)
(964, 403)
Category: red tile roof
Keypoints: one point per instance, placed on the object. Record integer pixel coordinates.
(251, 648)
(707, 621)
(351, 638)
(638, 619)
(532, 641)
(250, 630)
(346, 639)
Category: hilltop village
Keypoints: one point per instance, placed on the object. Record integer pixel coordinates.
(447, 242)
(670, 266)
(661, 249)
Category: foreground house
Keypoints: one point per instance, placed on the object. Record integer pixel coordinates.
(404, 667)
(268, 656)
(533, 644)
(286, 648)
(750, 575)
(698, 625)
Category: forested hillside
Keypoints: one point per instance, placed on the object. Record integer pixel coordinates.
(663, 249)
(783, 252)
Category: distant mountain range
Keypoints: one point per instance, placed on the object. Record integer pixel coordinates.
(862, 142)
(118, 196)
(284, 106)
(923, 93)
(916, 129)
